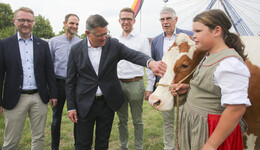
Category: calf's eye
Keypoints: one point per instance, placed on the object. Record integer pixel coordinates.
(184, 66)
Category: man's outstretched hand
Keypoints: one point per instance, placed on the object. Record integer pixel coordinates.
(158, 67)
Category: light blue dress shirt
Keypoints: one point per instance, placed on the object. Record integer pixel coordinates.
(60, 48)
(26, 52)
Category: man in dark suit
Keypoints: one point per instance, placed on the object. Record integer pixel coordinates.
(160, 45)
(92, 86)
(26, 70)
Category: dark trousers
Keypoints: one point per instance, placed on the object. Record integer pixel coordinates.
(101, 115)
(57, 114)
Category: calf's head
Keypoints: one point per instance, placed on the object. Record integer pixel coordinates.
(180, 62)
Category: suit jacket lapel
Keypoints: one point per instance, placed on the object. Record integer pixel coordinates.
(17, 54)
(103, 56)
(177, 31)
(161, 46)
(87, 61)
(36, 50)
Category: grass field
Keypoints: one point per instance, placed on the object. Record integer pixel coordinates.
(153, 139)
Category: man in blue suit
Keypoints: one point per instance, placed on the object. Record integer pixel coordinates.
(160, 45)
(26, 70)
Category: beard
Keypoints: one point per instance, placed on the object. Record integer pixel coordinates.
(70, 31)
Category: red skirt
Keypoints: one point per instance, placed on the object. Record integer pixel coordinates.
(233, 141)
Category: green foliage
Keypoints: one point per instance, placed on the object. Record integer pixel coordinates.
(153, 131)
(83, 36)
(42, 28)
(62, 31)
(6, 21)
(6, 15)
(6, 32)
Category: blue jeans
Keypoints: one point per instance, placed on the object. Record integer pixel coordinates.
(57, 114)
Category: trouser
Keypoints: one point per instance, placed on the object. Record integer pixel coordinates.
(134, 94)
(168, 129)
(57, 114)
(101, 115)
(15, 119)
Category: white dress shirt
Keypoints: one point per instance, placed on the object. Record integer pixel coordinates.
(167, 42)
(232, 76)
(128, 70)
(94, 56)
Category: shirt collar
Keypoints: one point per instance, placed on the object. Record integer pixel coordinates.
(68, 38)
(174, 34)
(89, 45)
(20, 38)
(132, 33)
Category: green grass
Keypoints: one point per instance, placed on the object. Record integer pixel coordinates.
(153, 131)
(153, 139)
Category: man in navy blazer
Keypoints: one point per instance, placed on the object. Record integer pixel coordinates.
(27, 82)
(92, 86)
(160, 45)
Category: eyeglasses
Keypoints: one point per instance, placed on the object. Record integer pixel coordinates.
(126, 19)
(102, 35)
(29, 21)
(167, 19)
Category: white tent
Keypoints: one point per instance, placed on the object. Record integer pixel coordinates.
(252, 48)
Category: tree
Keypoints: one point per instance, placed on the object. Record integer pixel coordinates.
(6, 32)
(6, 15)
(62, 31)
(6, 21)
(42, 28)
(83, 36)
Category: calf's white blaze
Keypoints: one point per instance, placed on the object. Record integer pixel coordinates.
(162, 99)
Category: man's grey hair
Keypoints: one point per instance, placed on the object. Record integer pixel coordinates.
(95, 21)
(168, 10)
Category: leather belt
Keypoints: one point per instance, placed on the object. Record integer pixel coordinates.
(60, 80)
(132, 80)
(29, 91)
(99, 97)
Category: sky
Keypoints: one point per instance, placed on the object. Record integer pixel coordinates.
(147, 21)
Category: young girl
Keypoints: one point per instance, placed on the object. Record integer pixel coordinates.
(217, 94)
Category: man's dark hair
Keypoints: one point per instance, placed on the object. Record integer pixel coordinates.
(95, 21)
(68, 15)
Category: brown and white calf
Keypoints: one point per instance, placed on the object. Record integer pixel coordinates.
(183, 57)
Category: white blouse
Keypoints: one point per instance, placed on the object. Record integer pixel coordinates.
(232, 76)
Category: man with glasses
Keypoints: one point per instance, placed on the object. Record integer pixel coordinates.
(92, 86)
(131, 80)
(160, 45)
(60, 49)
(26, 70)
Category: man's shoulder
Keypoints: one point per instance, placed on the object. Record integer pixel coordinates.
(55, 38)
(78, 44)
(77, 38)
(142, 36)
(155, 39)
(8, 38)
(39, 40)
(112, 40)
